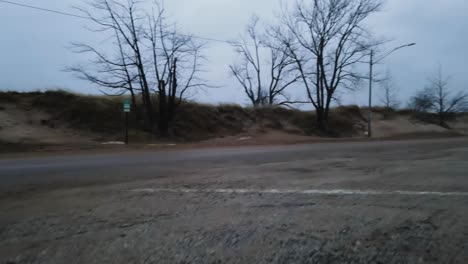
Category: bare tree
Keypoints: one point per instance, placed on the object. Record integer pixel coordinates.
(264, 81)
(148, 56)
(326, 38)
(421, 102)
(389, 96)
(122, 66)
(443, 101)
(176, 63)
(112, 71)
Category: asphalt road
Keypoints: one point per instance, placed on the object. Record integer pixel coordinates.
(357, 202)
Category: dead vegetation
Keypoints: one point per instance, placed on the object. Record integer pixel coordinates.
(90, 118)
(195, 121)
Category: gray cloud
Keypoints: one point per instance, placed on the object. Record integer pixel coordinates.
(33, 43)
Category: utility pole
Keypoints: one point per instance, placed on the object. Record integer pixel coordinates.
(371, 80)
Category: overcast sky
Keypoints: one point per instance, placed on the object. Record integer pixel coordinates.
(33, 44)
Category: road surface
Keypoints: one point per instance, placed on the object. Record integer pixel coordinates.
(357, 202)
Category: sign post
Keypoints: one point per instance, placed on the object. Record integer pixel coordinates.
(126, 107)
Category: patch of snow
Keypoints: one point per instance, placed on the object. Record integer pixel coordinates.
(113, 143)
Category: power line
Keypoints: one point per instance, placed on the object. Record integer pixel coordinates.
(43, 9)
(83, 17)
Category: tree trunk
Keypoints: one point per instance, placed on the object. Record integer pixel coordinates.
(148, 111)
(441, 119)
(146, 96)
(163, 114)
(327, 109)
(172, 98)
(132, 93)
(321, 119)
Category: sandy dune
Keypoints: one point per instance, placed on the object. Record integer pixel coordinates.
(19, 125)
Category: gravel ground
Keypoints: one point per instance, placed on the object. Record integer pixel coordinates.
(181, 217)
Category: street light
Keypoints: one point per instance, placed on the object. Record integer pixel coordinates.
(371, 80)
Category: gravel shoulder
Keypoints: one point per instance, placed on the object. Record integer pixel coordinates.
(135, 221)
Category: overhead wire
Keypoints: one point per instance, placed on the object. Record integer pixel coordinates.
(43, 9)
(84, 17)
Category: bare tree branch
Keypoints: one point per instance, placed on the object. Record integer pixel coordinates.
(325, 39)
(437, 97)
(389, 97)
(147, 56)
(260, 85)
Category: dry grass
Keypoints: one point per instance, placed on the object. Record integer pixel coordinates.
(194, 121)
(200, 121)
(93, 113)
